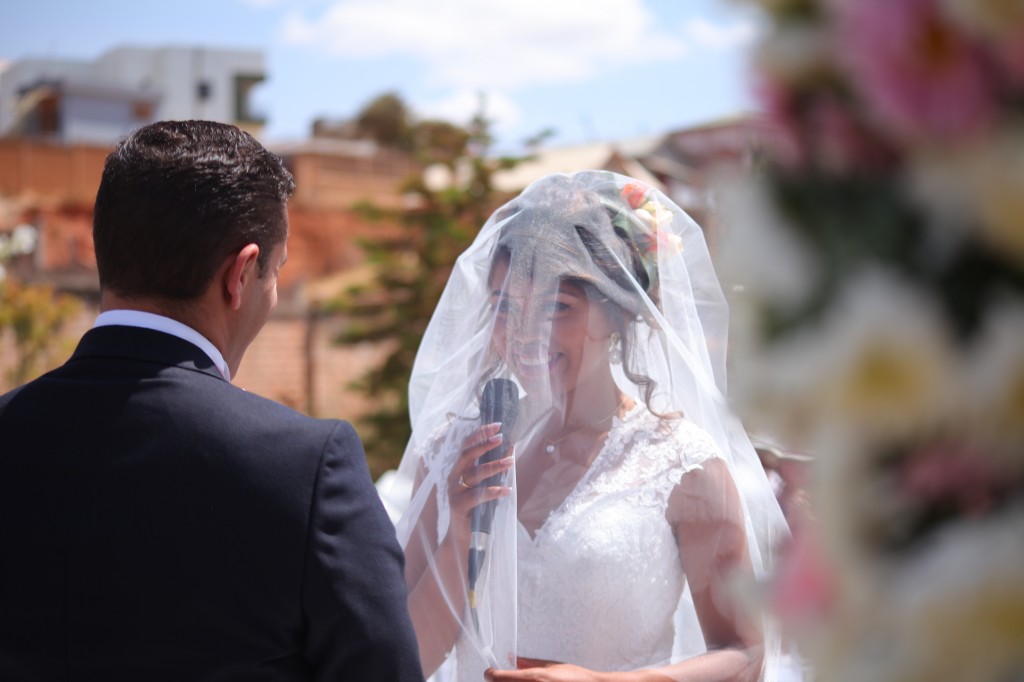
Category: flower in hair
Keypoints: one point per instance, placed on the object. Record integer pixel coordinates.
(655, 217)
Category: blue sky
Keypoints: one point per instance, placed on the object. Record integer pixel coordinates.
(589, 69)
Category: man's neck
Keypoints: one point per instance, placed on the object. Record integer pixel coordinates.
(187, 313)
(191, 314)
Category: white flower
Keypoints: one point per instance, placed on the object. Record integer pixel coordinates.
(952, 612)
(995, 175)
(878, 367)
(796, 52)
(654, 215)
(958, 607)
(891, 370)
(760, 253)
(994, 386)
(989, 16)
(778, 386)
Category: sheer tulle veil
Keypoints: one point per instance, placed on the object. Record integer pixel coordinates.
(633, 250)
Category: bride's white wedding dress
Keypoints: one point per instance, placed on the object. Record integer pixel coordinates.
(600, 582)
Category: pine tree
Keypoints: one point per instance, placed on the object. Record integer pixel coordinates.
(412, 265)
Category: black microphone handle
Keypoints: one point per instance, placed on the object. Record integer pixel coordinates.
(483, 514)
(482, 518)
(499, 403)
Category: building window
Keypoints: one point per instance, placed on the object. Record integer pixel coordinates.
(244, 85)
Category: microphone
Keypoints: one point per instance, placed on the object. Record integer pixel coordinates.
(499, 403)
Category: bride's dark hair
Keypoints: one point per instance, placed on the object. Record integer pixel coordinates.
(624, 322)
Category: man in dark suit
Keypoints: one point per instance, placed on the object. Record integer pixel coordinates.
(156, 522)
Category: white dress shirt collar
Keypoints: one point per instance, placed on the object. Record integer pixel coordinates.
(137, 318)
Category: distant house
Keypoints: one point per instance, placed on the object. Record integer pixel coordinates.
(97, 102)
(622, 156)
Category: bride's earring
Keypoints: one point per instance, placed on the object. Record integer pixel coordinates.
(615, 348)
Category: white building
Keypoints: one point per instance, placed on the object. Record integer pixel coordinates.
(102, 100)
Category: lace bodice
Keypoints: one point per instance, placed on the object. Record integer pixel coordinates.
(599, 583)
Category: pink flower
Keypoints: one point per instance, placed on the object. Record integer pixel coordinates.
(919, 74)
(818, 128)
(779, 103)
(806, 586)
(952, 473)
(840, 141)
(1010, 53)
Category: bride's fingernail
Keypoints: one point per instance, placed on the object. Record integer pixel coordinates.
(507, 461)
(496, 438)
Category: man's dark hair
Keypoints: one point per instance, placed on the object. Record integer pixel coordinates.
(177, 198)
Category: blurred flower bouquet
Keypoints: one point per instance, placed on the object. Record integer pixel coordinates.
(880, 325)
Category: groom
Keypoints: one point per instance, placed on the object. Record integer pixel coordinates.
(157, 523)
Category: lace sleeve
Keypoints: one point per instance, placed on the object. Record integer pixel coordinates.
(438, 455)
(651, 456)
(682, 448)
(693, 446)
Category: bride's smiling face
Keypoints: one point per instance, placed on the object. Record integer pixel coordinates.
(557, 337)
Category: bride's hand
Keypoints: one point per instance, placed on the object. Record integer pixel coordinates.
(467, 472)
(544, 671)
(537, 670)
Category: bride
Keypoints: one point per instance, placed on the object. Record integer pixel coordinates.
(583, 505)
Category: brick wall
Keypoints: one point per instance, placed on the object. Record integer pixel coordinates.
(293, 360)
(37, 169)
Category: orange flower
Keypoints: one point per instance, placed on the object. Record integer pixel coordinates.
(634, 193)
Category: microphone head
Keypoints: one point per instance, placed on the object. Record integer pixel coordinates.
(500, 403)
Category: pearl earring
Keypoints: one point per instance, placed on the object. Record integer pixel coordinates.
(615, 348)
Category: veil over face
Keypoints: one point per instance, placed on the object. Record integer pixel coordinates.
(590, 292)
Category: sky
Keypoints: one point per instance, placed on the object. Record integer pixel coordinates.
(587, 69)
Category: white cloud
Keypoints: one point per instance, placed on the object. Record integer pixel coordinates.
(498, 43)
(704, 33)
(461, 106)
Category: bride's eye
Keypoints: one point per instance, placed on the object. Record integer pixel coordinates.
(558, 307)
(501, 305)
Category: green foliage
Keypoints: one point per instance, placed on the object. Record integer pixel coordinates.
(412, 266)
(386, 120)
(35, 317)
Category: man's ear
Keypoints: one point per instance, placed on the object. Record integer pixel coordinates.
(242, 269)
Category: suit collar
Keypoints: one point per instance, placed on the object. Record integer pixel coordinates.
(146, 345)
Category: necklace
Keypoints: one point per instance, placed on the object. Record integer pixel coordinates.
(552, 445)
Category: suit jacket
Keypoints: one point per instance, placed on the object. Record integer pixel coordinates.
(158, 523)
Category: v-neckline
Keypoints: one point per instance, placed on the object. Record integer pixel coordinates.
(587, 475)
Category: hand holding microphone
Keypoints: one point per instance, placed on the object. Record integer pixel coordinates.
(499, 403)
